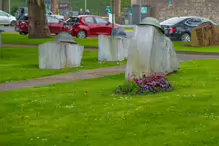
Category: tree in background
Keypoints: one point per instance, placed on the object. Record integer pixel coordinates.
(14, 10)
(38, 24)
(126, 4)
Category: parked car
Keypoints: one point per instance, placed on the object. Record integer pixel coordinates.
(55, 25)
(90, 26)
(180, 28)
(24, 11)
(7, 19)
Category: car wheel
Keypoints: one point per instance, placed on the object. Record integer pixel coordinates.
(13, 23)
(185, 37)
(81, 34)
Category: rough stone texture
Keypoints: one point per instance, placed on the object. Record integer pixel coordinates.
(54, 55)
(112, 48)
(150, 52)
(162, 10)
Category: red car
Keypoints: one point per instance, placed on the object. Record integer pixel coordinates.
(55, 25)
(90, 26)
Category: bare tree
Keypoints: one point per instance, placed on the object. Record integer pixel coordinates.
(38, 24)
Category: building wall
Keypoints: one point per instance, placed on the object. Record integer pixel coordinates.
(162, 10)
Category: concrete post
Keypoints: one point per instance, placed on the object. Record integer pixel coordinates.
(1, 38)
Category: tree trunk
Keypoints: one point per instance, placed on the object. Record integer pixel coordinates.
(38, 24)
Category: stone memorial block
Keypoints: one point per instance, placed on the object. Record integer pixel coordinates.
(63, 53)
(119, 32)
(112, 48)
(150, 51)
(207, 34)
(65, 37)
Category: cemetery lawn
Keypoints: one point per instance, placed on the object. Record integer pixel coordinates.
(21, 64)
(15, 38)
(86, 113)
(183, 46)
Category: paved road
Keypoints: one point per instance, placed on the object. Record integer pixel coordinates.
(8, 29)
(187, 57)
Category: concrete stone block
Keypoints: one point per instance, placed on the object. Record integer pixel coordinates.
(112, 48)
(53, 55)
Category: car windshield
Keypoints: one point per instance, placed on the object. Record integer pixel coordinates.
(23, 18)
(172, 21)
(73, 19)
(48, 11)
(52, 19)
(208, 20)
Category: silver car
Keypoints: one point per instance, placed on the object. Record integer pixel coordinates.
(7, 19)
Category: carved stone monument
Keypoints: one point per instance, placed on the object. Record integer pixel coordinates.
(150, 51)
(207, 34)
(64, 52)
(112, 48)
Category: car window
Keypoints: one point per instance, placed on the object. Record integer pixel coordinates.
(73, 19)
(172, 21)
(89, 20)
(53, 20)
(100, 21)
(24, 18)
(194, 22)
(3, 14)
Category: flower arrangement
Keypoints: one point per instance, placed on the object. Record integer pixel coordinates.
(155, 83)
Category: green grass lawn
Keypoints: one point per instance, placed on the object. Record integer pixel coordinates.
(181, 46)
(129, 29)
(15, 38)
(20, 64)
(12, 38)
(66, 115)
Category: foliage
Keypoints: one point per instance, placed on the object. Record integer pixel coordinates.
(14, 10)
(97, 7)
(155, 83)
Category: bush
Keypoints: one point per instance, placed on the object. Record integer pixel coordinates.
(146, 85)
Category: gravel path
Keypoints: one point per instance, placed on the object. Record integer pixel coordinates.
(84, 75)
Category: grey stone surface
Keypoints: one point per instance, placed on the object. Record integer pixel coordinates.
(120, 32)
(54, 55)
(112, 48)
(65, 37)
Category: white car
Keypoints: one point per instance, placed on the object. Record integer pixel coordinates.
(7, 19)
